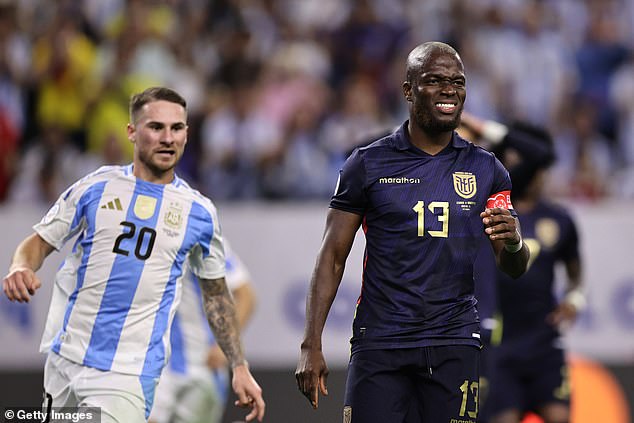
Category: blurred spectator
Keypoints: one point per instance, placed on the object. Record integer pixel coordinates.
(356, 117)
(8, 152)
(301, 168)
(63, 61)
(237, 139)
(48, 167)
(622, 95)
(15, 61)
(584, 158)
(598, 58)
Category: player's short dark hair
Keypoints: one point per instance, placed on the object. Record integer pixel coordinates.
(154, 94)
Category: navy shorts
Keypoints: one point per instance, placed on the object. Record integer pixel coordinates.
(413, 385)
(526, 384)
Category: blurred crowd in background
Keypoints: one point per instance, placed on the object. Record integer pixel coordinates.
(280, 91)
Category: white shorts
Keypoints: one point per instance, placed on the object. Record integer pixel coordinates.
(122, 398)
(185, 398)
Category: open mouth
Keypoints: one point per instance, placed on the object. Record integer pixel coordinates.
(447, 108)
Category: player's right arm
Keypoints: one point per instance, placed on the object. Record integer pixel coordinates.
(312, 372)
(21, 281)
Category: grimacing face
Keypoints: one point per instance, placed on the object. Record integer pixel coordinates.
(437, 92)
(159, 134)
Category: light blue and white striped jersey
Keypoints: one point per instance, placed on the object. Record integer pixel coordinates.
(191, 336)
(127, 264)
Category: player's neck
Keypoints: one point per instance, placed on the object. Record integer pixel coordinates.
(145, 174)
(430, 143)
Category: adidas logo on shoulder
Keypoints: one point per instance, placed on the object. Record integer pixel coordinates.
(113, 205)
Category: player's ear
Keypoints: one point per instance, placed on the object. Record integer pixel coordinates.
(131, 132)
(407, 91)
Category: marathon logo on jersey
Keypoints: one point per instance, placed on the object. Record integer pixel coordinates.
(144, 206)
(174, 216)
(500, 200)
(399, 180)
(464, 183)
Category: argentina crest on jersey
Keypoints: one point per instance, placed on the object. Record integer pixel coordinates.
(173, 219)
(464, 183)
(173, 215)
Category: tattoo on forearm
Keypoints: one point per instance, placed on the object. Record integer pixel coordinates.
(221, 315)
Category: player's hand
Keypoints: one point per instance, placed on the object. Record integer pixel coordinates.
(562, 316)
(311, 375)
(216, 359)
(20, 284)
(249, 392)
(500, 225)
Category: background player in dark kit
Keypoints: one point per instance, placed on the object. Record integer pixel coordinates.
(420, 195)
(525, 362)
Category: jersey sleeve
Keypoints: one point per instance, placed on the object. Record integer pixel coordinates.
(64, 219)
(237, 273)
(350, 194)
(501, 178)
(570, 246)
(207, 257)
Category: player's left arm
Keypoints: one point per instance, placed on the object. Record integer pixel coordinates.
(222, 318)
(504, 232)
(574, 301)
(221, 315)
(244, 299)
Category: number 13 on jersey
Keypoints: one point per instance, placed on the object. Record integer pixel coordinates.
(443, 217)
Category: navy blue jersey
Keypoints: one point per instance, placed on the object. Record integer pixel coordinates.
(524, 303)
(421, 222)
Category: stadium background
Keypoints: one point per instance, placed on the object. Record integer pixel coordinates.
(279, 92)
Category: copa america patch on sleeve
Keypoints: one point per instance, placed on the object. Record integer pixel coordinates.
(50, 215)
(500, 200)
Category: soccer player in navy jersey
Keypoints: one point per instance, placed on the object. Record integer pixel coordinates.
(526, 366)
(136, 226)
(420, 195)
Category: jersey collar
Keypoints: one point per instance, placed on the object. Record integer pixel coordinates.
(402, 142)
(129, 168)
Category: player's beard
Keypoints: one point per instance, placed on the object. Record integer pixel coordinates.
(425, 119)
(156, 167)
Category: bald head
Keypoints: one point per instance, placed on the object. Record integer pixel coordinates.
(421, 54)
(435, 88)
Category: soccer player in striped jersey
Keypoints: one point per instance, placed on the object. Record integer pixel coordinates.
(137, 225)
(423, 197)
(194, 385)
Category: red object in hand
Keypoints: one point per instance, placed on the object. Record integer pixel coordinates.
(500, 200)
